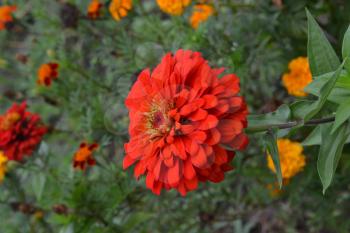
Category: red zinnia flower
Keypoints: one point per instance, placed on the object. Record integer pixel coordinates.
(20, 132)
(182, 117)
(47, 73)
(84, 156)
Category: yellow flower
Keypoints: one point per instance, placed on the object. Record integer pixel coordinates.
(201, 12)
(298, 78)
(120, 8)
(3, 165)
(292, 159)
(173, 7)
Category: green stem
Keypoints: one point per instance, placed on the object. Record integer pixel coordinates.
(289, 125)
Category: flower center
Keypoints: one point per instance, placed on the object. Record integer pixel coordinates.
(9, 120)
(158, 122)
(83, 154)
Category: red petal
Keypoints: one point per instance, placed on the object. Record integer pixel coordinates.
(220, 155)
(210, 122)
(213, 137)
(229, 128)
(191, 184)
(169, 162)
(174, 174)
(189, 171)
(198, 115)
(149, 180)
(178, 148)
(198, 136)
(199, 160)
(210, 101)
(139, 170)
(127, 162)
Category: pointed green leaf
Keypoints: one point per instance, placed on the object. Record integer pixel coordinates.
(346, 48)
(280, 116)
(340, 92)
(321, 55)
(38, 184)
(330, 152)
(314, 137)
(312, 109)
(272, 149)
(342, 115)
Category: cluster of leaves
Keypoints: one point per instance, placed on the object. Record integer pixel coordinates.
(99, 60)
(331, 83)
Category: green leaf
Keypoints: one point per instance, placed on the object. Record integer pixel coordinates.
(272, 149)
(346, 48)
(258, 122)
(330, 152)
(342, 115)
(310, 110)
(300, 108)
(38, 184)
(314, 137)
(340, 92)
(322, 57)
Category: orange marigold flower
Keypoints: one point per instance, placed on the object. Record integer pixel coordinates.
(94, 9)
(182, 119)
(6, 15)
(292, 159)
(120, 8)
(298, 78)
(201, 12)
(3, 166)
(84, 156)
(20, 132)
(173, 7)
(47, 73)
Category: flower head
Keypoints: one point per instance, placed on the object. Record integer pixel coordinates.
(120, 8)
(3, 165)
(47, 73)
(182, 119)
(173, 7)
(292, 159)
(298, 78)
(84, 156)
(20, 132)
(94, 9)
(201, 12)
(6, 15)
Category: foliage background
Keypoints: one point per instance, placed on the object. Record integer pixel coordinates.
(99, 60)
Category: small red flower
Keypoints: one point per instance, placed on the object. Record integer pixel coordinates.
(182, 119)
(94, 9)
(6, 15)
(20, 132)
(47, 73)
(84, 156)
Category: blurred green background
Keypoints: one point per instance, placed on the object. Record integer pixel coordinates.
(99, 60)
